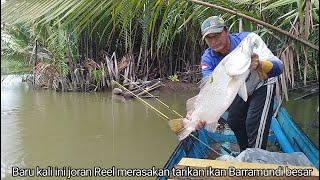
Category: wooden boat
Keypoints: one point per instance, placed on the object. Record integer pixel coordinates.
(284, 136)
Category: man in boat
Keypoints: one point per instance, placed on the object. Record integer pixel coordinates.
(250, 121)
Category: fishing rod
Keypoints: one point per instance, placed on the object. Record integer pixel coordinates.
(162, 114)
(164, 104)
(170, 120)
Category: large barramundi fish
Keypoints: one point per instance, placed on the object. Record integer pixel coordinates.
(220, 88)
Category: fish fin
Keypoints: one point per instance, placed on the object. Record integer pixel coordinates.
(232, 83)
(184, 134)
(188, 127)
(243, 92)
(190, 104)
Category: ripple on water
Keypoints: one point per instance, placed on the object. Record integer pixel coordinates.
(9, 112)
(12, 153)
(7, 164)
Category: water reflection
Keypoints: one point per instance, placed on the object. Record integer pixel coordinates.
(46, 128)
(304, 112)
(12, 153)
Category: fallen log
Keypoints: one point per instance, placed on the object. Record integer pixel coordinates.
(148, 89)
(142, 90)
(307, 95)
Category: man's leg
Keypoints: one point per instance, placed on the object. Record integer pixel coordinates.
(259, 116)
(236, 120)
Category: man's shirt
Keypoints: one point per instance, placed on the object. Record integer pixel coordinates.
(210, 60)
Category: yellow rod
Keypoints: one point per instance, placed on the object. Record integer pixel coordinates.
(155, 98)
(163, 115)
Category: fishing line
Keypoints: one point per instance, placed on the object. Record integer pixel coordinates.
(198, 148)
(206, 145)
(113, 140)
(166, 117)
(163, 115)
(154, 97)
(226, 149)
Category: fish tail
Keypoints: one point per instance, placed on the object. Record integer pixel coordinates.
(183, 134)
(188, 127)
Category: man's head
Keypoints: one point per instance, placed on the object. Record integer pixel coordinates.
(215, 33)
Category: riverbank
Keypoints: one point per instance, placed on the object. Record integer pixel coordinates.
(174, 86)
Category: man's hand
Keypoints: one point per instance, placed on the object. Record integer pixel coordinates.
(261, 67)
(200, 124)
(255, 63)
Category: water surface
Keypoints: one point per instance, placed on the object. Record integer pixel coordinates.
(304, 113)
(82, 130)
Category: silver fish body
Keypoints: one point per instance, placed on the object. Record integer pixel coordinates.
(221, 87)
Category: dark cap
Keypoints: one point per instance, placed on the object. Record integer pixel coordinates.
(213, 24)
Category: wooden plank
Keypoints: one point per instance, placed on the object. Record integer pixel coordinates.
(235, 169)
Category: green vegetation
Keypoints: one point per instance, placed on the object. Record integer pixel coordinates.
(14, 67)
(173, 77)
(84, 40)
(14, 50)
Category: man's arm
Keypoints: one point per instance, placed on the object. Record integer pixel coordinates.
(269, 68)
(206, 64)
(266, 63)
(276, 68)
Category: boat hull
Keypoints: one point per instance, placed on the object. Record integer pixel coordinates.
(284, 133)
